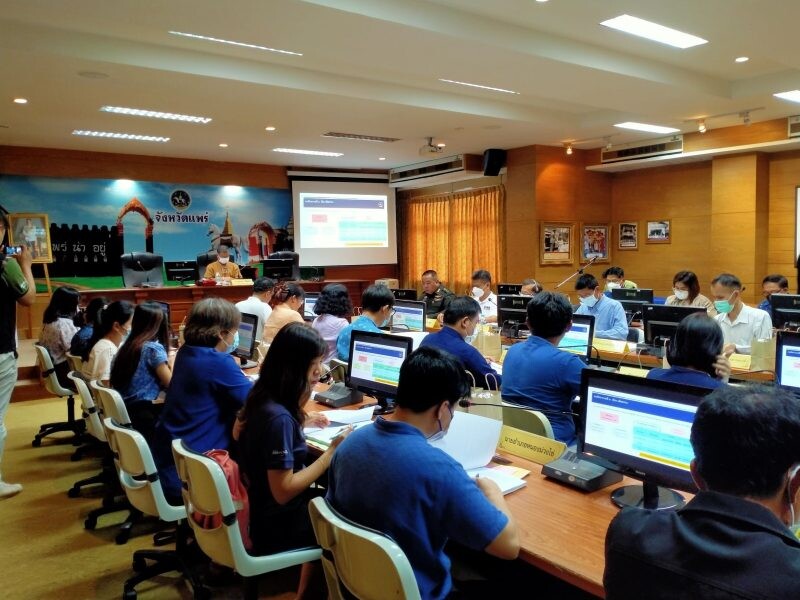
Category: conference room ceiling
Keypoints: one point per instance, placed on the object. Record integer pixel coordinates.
(373, 67)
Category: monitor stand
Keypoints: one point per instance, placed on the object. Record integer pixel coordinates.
(385, 406)
(246, 363)
(647, 495)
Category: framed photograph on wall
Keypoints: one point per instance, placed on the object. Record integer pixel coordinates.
(595, 243)
(556, 242)
(627, 236)
(658, 232)
(33, 230)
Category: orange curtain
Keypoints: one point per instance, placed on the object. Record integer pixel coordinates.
(454, 234)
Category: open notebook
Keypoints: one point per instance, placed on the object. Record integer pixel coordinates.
(340, 420)
(472, 441)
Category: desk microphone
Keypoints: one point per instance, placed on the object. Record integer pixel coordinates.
(464, 403)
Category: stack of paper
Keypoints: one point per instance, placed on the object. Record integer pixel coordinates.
(340, 421)
(472, 441)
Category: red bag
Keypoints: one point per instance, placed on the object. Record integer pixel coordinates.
(238, 493)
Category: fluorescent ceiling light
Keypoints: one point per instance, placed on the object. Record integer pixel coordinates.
(654, 31)
(223, 145)
(154, 114)
(309, 152)
(270, 128)
(120, 136)
(233, 43)
(742, 59)
(791, 96)
(646, 127)
(480, 87)
(20, 100)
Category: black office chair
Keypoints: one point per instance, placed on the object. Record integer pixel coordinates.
(203, 260)
(295, 261)
(142, 269)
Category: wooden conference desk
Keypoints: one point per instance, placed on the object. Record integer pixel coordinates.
(181, 298)
(562, 529)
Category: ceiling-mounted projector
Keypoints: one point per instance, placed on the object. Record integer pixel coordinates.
(430, 149)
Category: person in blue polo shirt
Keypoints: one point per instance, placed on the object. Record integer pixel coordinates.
(695, 354)
(461, 318)
(772, 284)
(536, 373)
(609, 316)
(377, 304)
(389, 478)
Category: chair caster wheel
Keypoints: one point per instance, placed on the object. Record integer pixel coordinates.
(74, 493)
(129, 595)
(122, 537)
(139, 565)
(36, 442)
(90, 523)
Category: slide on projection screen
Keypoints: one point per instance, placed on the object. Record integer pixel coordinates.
(344, 223)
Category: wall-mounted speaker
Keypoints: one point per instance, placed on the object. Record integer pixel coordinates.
(494, 159)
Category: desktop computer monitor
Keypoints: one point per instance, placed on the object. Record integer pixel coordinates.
(785, 311)
(660, 321)
(374, 365)
(512, 314)
(404, 294)
(247, 341)
(640, 428)
(309, 304)
(279, 269)
(578, 339)
(409, 315)
(182, 270)
(633, 309)
(632, 294)
(787, 360)
(509, 289)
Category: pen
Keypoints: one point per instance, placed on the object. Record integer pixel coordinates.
(340, 432)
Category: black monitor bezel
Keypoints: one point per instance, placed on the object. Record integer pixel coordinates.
(404, 293)
(307, 295)
(180, 270)
(376, 390)
(278, 268)
(640, 294)
(785, 338)
(506, 313)
(509, 289)
(418, 304)
(585, 319)
(242, 354)
(777, 309)
(639, 469)
(648, 311)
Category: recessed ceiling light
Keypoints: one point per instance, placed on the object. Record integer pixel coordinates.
(381, 158)
(654, 31)
(20, 100)
(541, 1)
(154, 114)
(481, 87)
(223, 145)
(270, 128)
(646, 127)
(742, 59)
(120, 136)
(309, 152)
(791, 96)
(441, 145)
(233, 43)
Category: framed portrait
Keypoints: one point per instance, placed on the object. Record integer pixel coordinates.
(595, 243)
(658, 232)
(627, 236)
(556, 241)
(33, 230)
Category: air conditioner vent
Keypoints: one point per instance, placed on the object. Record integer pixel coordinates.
(441, 170)
(359, 137)
(658, 147)
(794, 126)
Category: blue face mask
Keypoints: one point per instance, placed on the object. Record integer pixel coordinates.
(589, 301)
(234, 345)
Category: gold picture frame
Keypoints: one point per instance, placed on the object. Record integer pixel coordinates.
(556, 243)
(595, 243)
(32, 230)
(628, 235)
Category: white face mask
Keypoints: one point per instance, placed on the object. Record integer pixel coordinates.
(477, 292)
(589, 301)
(223, 260)
(613, 285)
(680, 294)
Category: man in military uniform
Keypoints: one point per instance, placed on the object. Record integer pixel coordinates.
(434, 294)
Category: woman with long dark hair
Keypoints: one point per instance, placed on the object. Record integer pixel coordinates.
(112, 328)
(80, 341)
(286, 302)
(273, 448)
(141, 369)
(695, 354)
(334, 309)
(58, 329)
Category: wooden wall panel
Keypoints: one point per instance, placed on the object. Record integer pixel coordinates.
(784, 178)
(739, 135)
(521, 234)
(682, 194)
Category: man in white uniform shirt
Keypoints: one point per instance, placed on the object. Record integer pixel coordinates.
(740, 323)
(482, 292)
(258, 303)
